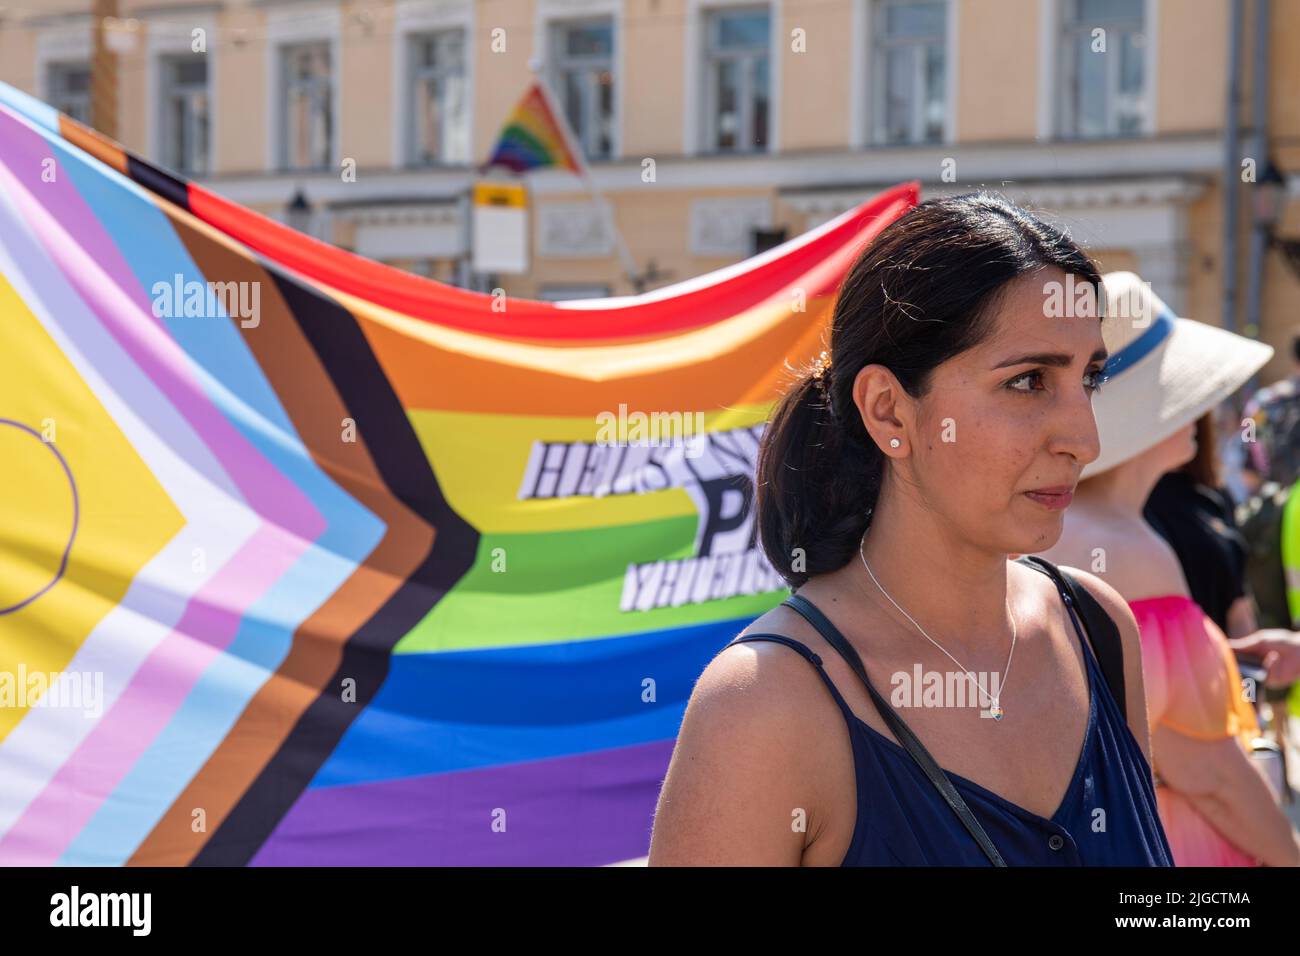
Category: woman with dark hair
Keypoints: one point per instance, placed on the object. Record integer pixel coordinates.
(941, 435)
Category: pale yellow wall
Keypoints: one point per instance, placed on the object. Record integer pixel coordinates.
(367, 100)
(1284, 116)
(1205, 257)
(1191, 65)
(240, 133)
(654, 71)
(814, 85)
(132, 98)
(996, 91)
(500, 77)
(18, 58)
(997, 70)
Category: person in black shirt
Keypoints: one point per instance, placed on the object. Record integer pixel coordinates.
(1192, 511)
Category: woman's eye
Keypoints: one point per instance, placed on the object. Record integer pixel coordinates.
(1092, 381)
(1036, 376)
(1095, 379)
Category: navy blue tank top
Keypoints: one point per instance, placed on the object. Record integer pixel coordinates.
(1107, 818)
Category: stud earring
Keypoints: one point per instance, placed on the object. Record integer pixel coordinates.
(894, 443)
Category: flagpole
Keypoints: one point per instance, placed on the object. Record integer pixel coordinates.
(629, 264)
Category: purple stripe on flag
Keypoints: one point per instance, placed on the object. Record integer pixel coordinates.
(585, 810)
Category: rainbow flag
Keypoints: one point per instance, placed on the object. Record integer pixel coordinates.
(534, 137)
(307, 560)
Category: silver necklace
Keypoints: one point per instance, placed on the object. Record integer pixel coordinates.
(995, 704)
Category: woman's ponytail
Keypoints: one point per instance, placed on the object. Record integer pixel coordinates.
(818, 479)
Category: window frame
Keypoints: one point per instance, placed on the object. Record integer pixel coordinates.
(169, 152)
(711, 57)
(560, 62)
(283, 54)
(881, 44)
(417, 73)
(1067, 33)
(58, 97)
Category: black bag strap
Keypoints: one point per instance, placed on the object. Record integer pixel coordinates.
(1098, 626)
(830, 632)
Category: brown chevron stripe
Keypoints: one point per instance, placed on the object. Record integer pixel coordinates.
(101, 147)
(317, 411)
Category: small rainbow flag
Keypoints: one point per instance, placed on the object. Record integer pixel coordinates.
(534, 137)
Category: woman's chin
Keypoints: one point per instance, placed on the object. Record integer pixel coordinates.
(1039, 532)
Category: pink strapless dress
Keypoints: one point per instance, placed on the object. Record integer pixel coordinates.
(1193, 686)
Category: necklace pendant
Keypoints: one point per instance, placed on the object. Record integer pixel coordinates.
(996, 710)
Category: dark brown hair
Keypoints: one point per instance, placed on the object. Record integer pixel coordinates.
(1204, 468)
(916, 296)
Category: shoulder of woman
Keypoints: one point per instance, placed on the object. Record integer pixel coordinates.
(1133, 559)
(757, 695)
(745, 755)
(1115, 605)
(1110, 599)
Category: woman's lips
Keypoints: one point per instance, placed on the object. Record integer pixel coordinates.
(1053, 498)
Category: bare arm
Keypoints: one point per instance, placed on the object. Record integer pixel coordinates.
(737, 792)
(1223, 784)
(1241, 617)
(1279, 650)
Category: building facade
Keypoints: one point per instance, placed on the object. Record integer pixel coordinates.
(713, 127)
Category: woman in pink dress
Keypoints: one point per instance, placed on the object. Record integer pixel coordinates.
(1163, 373)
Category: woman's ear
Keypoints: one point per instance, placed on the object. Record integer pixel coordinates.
(885, 408)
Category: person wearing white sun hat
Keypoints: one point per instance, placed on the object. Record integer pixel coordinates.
(1162, 374)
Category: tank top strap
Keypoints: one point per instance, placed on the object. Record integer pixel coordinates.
(809, 655)
(1053, 573)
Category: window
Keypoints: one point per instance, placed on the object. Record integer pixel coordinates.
(308, 119)
(737, 89)
(185, 116)
(68, 86)
(1103, 93)
(439, 122)
(582, 74)
(909, 63)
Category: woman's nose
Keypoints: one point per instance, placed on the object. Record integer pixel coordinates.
(1075, 429)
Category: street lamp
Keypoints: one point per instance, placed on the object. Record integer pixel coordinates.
(298, 213)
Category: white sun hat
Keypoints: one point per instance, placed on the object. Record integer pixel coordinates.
(1163, 371)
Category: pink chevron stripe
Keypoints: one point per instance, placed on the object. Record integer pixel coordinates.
(158, 688)
(96, 269)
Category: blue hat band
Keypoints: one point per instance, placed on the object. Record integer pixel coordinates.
(1140, 347)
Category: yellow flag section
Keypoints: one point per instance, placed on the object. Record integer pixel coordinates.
(610, 484)
(73, 486)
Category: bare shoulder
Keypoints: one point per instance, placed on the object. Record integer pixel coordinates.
(742, 767)
(1113, 603)
(1129, 555)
